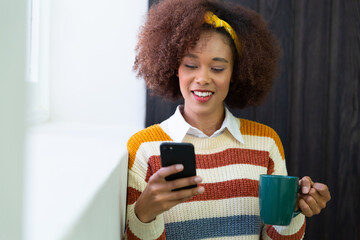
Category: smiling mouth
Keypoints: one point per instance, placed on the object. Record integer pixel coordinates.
(203, 94)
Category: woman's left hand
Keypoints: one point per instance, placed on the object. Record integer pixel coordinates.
(313, 197)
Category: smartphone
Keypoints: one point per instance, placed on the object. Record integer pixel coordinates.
(179, 153)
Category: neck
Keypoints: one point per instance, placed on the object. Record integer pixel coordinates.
(207, 123)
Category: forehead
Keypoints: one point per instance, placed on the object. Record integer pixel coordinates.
(213, 43)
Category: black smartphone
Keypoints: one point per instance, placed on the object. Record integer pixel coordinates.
(179, 153)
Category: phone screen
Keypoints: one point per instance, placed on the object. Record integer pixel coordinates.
(179, 153)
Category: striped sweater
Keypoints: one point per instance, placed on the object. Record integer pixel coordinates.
(229, 207)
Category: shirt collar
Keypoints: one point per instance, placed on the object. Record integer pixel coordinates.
(176, 127)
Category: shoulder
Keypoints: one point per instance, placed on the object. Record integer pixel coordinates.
(248, 127)
(251, 128)
(149, 134)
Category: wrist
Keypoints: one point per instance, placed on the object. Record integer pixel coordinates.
(143, 218)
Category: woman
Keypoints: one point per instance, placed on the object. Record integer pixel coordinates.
(213, 54)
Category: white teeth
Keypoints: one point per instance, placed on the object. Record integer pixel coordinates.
(203, 94)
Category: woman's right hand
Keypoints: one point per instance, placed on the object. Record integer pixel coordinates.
(158, 196)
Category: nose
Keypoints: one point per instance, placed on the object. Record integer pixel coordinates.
(203, 77)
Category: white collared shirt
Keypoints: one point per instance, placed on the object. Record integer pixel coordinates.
(176, 127)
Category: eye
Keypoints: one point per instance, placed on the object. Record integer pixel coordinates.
(217, 69)
(191, 66)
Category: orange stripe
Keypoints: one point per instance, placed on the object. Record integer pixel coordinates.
(150, 134)
(248, 127)
(273, 234)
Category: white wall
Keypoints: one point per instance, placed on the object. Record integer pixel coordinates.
(91, 57)
(13, 30)
(96, 103)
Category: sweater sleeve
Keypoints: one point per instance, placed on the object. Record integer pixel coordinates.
(137, 173)
(296, 229)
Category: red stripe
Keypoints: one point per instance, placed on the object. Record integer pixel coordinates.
(273, 234)
(215, 191)
(228, 189)
(232, 156)
(271, 168)
(132, 195)
(154, 165)
(224, 158)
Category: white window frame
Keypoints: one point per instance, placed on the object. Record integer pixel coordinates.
(39, 62)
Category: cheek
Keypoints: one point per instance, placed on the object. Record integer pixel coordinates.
(183, 83)
(184, 80)
(224, 86)
(226, 89)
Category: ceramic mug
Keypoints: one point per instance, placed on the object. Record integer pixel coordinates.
(277, 199)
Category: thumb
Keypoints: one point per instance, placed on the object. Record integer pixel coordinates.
(305, 184)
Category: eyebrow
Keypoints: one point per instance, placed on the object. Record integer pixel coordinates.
(214, 59)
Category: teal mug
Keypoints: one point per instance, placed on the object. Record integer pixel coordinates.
(277, 199)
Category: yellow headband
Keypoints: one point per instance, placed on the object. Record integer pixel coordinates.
(212, 19)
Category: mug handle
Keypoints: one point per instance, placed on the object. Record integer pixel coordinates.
(298, 211)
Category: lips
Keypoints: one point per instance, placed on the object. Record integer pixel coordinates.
(202, 95)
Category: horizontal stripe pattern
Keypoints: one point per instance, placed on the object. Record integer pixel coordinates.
(233, 156)
(229, 158)
(228, 173)
(150, 134)
(228, 189)
(219, 208)
(252, 128)
(214, 227)
(215, 191)
(262, 144)
(228, 209)
(216, 144)
(273, 234)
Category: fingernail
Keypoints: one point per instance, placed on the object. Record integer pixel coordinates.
(198, 179)
(305, 189)
(201, 190)
(179, 167)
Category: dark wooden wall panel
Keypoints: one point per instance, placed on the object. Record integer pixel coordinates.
(344, 124)
(274, 112)
(332, 217)
(314, 104)
(310, 84)
(310, 96)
